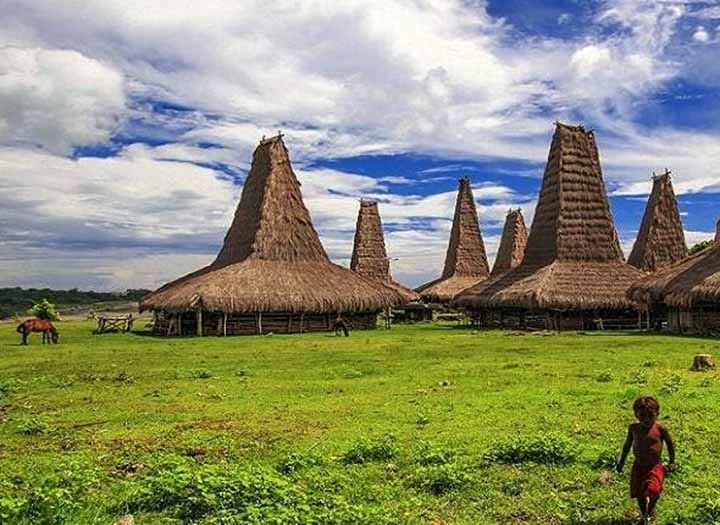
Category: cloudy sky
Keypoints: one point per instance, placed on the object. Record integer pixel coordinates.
(126, 127)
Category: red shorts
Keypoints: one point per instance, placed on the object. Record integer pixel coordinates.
(647, 481)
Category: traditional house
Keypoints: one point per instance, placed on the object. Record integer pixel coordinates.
(369, 259)
(369, 256)
(272, 273)
(661, 240)
(573, 274)
(512, 243)
(465, 262)
(687, 293)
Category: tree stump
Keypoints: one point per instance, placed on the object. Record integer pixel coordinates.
(702, 362)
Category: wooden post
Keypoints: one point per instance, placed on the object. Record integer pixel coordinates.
(170, 324)
(260, 323)
(199, 323)
(289, 322)
(224, 331)
(302, 318)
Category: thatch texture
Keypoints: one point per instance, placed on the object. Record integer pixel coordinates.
(512, 243)
(369, 257)
(661, 240)
(465, 262)
(692, 281)
(272, 259)
(573, 259)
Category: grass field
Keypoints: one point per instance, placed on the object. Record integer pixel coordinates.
(424, 424)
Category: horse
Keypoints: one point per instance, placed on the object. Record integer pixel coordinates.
(49, 332)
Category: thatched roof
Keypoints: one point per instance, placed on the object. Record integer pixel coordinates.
(465, 262)
(695, 279)
(661, 240)
(512, 243)
(369, 257)
(272, 259)
(573, 259)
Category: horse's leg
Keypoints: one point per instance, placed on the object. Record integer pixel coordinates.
(44, 336)
(25, 338)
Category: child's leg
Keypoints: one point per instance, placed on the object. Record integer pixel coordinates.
(651, 506)
(643, 504)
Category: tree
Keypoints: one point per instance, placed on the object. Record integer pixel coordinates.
(45, 310)
(700, 246)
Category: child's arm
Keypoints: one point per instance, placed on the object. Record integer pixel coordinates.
(670, 445)
(626, 449)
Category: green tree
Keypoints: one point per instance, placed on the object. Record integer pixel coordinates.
(45, 310)
(700, 246)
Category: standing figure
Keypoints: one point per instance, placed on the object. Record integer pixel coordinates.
(49, 332)
(646, 439)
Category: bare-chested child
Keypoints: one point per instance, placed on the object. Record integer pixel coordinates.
(646, 439)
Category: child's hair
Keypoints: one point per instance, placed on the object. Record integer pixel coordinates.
(646, 404)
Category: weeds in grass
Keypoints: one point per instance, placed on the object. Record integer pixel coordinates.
(543, 449)
(606, 459)
(426, 454)
(439, 479)
(639, 377)
(124, 377)
(229, 495)
(7, 387)
(294, 462)
(604, 377)
(34, 425)
(201, 374)
(365, 450)
(672, 384)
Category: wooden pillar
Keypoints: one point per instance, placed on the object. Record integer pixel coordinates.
(224, 329)
(170, 324)
(302, 319)
(289, 328)
(199, 323)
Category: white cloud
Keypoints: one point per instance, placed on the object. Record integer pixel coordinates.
(701, 35)
(57, 98)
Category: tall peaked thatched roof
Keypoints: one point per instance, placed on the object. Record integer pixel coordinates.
(272, 259)
(465, 262)
(512, 243)
(369, 257)
(695, 279)
(661, 240)
(573, 259)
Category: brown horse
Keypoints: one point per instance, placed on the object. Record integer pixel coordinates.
(49, 332)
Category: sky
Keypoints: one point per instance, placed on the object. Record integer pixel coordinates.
(127, 127)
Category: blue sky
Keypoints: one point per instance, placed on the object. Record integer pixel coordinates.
(126, 128)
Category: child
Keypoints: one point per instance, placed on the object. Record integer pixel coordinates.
(646, 439)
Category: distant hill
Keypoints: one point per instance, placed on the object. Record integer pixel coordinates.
(17, 301)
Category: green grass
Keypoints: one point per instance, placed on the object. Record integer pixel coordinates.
(425, 424)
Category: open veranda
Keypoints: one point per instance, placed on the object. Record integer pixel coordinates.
(430, 424)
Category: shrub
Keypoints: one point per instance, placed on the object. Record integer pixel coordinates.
(708, 512)
(201, 374)
(365, 450)
(640, 377)
(439, 479)
(543, 449)
(45, 310)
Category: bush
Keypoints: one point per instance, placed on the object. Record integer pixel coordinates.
(606, 459)
(366, 450)
(33, 426)
(439, 479)
(45, 310)
(672, 384)
(543, 449)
